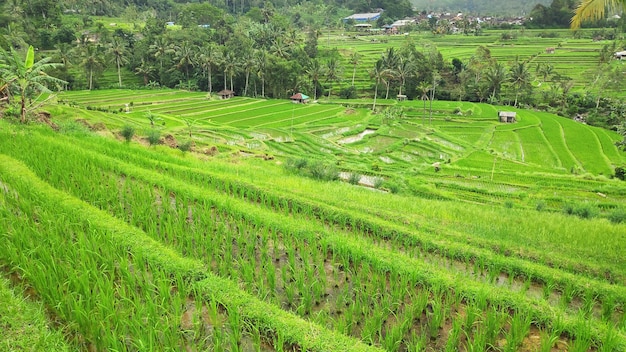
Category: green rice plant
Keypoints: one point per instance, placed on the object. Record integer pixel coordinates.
(520, 327)
(548, 340)
(452, 344)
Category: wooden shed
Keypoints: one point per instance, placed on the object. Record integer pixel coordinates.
(226, 94)
(299, 98)
(507, 116)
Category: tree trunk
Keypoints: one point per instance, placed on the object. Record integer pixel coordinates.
(375, 96)
(119, 73)
(23, 112)
(245, 90)
(210, 83)
(353, 73)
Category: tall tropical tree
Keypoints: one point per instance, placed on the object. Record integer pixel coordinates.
(424, 88)
(495, 76)
(184, 56)
(160, 49)
(117, 49)
(519, 77)
(594, 10)
(355, 58)
(92, 62)
(377, 74)
(260, 63)
(26, 76)
(404, 70)
(315, 71)
(145, 70)
(333, 73)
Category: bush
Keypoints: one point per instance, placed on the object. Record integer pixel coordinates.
(348, 93)
(320, 171)
(354, 179)
(617, 216)
(153, 137)
(541, 205)
(620, 173)
(378, 182)
(293, 164)
(185, 146)
(128, 132)
(582, 210)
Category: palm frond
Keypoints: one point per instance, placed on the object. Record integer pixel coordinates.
(594, 10)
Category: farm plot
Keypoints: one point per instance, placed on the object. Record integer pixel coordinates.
(363, 269)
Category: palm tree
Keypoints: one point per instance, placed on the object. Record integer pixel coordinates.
(184, 59)
(315, 71)
(519, 76)
(207, 60)
(117, 50)
(27, 76)
(92, 62)
(404, 70)
(377, 73)
(160, 48)
(354, 60)
(424, 88)
(145, 70)
(594, 10)
(260, 63)
(333, 73)
(390, 62)
(495, 76)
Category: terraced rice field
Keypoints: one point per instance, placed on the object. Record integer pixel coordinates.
(130, 247)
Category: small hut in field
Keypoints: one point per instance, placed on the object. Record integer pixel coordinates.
(507, 116)
(549, 50)
(299, 98)
(226, 94)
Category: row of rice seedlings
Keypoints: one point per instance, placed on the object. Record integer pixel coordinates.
(371, 331)
(274, 324)
(103, 298)
(285, 204)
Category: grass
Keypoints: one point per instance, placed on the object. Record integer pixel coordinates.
(24, 322)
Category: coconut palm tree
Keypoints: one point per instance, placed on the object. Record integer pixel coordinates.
(145, 70)
(183, 59)
(333, 73)
(315, 71)
(92, 62)
(424, 88)
(520, 77)
(377, 74)
(260, 64)
(354, 60)
(404, 70)
(594, 10)
(117, 50)
(495, 76)
(26, 76)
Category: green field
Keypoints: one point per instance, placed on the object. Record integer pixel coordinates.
(514, 244)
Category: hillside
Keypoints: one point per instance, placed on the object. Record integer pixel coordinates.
(481, 7)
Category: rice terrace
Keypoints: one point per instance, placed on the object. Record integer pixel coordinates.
(166, 208)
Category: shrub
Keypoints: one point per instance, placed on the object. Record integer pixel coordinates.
(617, 216)
(354, 179)
(620, 173)
(296, 164)
(73, 128)
(185, 146)
(541, 205)
(348, 93)
(127, 132)
(320, 171)
(378, 182)
(153, 137)
(582, 210)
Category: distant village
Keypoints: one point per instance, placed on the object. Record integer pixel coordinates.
(442, 23)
